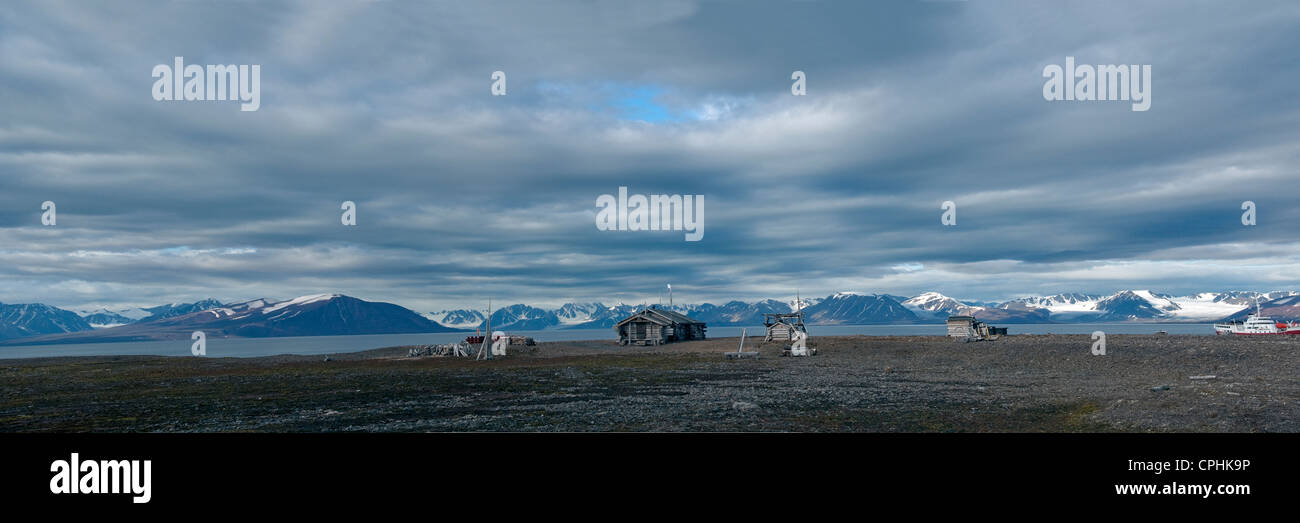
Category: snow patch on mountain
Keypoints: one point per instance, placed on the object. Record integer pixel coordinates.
(802, 303)
(457, 319)
(301, 300)
(936, 304)
(173, 310)
(578, 313)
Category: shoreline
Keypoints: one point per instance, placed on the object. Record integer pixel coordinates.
(260, 346)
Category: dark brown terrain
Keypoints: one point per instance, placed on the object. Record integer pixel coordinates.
(908, 383)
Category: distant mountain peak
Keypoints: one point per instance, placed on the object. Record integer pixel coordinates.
(173, 310)
(854, 308)
(932, 301)
(934, 305)
(20, 320)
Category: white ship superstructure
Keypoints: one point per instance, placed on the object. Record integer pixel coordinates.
(1257, 324)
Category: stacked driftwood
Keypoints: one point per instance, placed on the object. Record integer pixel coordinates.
(453, 349)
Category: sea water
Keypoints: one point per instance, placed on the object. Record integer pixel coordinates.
(254, 347)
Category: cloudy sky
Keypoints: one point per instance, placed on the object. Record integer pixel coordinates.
(463, 195)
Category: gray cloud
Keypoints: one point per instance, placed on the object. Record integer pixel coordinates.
(463, 195)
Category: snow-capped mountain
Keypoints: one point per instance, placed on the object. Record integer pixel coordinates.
(851, 308)
(1138, 305)
(1135, 305)
(1126, 305)
(1012, 312)
(104, 318)
(933, 304)
(523, 317)
(32, 319)
(736, 312)
(1062, 306)
(1063, 301)
(1241, 298)
(578, 313)
(178, 309)
(1286, 307)
(610, 315)
(806, 302)
(846, 308)
(457, 319)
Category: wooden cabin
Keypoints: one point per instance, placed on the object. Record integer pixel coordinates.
(657, 326)
(962, 327)
(967, 328)
(783, 326)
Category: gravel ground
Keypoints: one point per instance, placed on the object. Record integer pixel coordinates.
(1022, 383)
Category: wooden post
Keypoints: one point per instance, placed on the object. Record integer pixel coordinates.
(484, 352)
(740, 352)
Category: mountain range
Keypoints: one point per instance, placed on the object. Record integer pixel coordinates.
(850, 308)
(315, 315)
(334, 314)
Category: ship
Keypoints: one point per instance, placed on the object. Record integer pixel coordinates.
(1257, 324)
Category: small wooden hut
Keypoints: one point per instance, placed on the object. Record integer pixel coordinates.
(967, 328)
(653, 326)
(782, 326)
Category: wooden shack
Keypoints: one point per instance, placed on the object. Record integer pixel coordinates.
(967, 328)
(782, 326)
(654, 326)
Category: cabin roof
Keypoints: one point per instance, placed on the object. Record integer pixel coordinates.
(660, 316)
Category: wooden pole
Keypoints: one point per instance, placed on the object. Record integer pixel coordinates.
(484, 352)
(488, 338)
